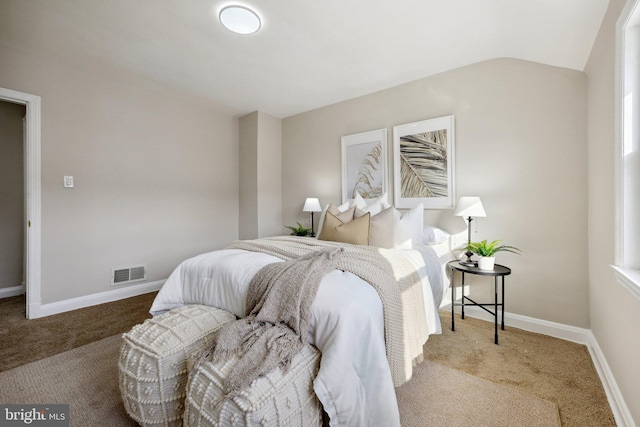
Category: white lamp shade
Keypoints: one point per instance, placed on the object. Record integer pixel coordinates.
(469, 207)
(312, 205)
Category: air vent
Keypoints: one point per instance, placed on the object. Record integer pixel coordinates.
(120, 276)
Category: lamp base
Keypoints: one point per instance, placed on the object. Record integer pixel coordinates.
(468, 262)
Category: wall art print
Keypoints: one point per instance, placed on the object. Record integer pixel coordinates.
(423, 163)
(364, 164)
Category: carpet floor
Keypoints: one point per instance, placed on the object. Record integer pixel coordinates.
(550, 368)
(86, 378)
(25, 341)
(544, 367)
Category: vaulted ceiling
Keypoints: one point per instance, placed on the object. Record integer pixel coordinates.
(308, 54)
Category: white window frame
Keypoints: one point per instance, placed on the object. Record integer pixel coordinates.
(627, 276)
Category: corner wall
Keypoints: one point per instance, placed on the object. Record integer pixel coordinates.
(614, 312)
(155, 174)
(260, 176)
(520, 146)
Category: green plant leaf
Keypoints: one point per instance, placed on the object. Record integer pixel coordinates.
(490, 249)
(300, 230)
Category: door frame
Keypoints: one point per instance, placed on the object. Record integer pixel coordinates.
(32, 163)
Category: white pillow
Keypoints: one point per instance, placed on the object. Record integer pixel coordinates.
(373, 206)
(407, 227)
(434, 235)
(359, 202)
(381, 228)
(343, 207)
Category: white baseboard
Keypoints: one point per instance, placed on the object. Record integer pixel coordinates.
(12, 291)
(57, 307)
(570, 333)
(556, 330)
(616, 401)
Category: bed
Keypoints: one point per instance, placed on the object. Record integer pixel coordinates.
(356, 380)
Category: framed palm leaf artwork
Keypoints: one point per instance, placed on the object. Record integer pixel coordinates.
(364, 164)
(423, 160)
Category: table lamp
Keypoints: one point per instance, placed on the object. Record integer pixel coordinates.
(312, 205)
(469, 207)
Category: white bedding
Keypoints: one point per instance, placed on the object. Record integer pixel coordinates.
(436, 258)
(354, 382)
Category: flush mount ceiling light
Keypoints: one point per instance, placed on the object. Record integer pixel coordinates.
(240, 19)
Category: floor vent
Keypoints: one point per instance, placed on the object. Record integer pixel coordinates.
(120, 276)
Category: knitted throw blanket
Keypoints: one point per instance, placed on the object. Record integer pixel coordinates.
(277, 318)
(393, 277)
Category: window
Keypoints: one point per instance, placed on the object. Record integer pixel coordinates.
(627, 156)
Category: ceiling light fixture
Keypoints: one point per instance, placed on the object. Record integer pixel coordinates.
(240, 19)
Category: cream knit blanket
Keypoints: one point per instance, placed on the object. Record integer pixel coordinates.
(276, 322)
(393, 277)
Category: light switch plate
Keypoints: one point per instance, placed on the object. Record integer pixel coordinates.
(68, 182)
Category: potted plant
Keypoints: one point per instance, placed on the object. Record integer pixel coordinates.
(487, 250)
(299, 230)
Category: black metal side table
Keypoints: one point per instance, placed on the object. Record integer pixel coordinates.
(499, 271)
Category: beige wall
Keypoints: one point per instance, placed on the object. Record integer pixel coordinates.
(152, 174)
(248, 175)
(11, 194)
(520, 146)
(269, 175)
(614, 312)
(260, 176)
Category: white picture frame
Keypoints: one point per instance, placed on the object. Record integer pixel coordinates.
(423, 164)
(364, 164)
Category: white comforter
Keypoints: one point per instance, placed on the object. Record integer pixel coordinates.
(354, 382)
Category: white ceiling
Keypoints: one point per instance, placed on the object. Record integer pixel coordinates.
(308, 54)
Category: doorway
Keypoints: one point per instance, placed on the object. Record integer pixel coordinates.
(32, 204)
(12, 212)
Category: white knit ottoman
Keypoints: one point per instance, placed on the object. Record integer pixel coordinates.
(277, 399)
(154, 358)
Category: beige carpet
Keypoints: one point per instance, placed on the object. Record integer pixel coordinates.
(87, 379)
(556, 370)
(441, 396)
(25, 341)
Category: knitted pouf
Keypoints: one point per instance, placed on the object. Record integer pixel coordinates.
(154, 358)
(277, 399)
